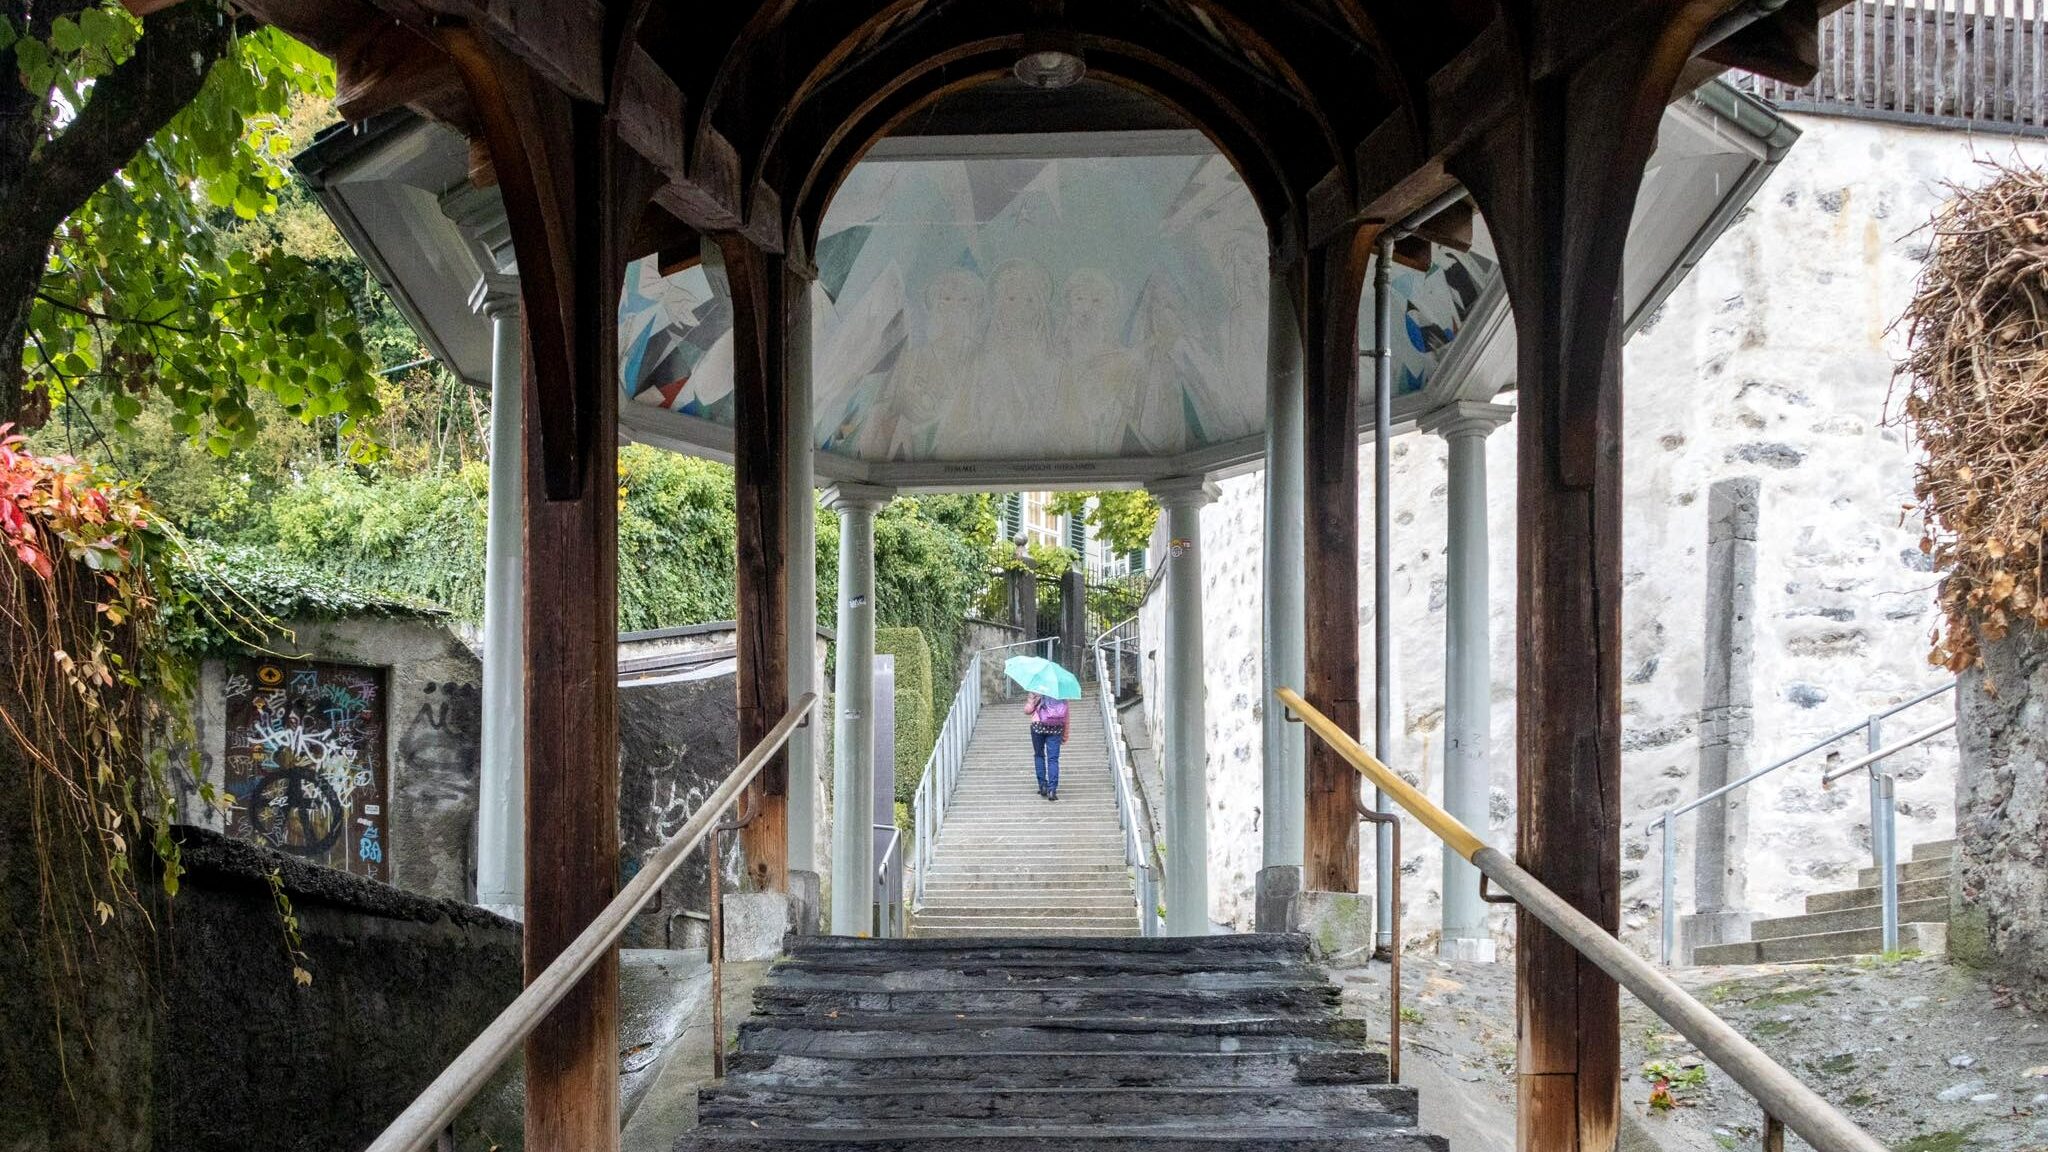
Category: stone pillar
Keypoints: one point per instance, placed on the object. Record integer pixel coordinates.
(1998, 893)
(1074, 652)
(501, 785)
(1721, 828)
(800, 585)
(1187, 758)
(853, 739)
(1283, 797)
(1468, 667)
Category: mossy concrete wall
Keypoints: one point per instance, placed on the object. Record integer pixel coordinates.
(1999, 889)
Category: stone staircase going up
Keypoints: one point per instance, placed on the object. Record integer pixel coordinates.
(1223, 1043)
(1009, 863)
(1849, 922)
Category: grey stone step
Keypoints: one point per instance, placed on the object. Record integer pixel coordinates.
(1005, 921)
(1934, 849)
(1024, 896)
(1327, 1106)
(1064, 872)
(1870, 897)
(1934, 911)
(1931, 939)
(1069, 1069)
(983, 928)
(1908, 871)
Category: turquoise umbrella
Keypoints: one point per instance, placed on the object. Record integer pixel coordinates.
(1037, 674)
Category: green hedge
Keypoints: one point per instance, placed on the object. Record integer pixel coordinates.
(913, 657)
(914, 736)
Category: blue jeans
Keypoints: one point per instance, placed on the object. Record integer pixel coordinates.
(1045, 757)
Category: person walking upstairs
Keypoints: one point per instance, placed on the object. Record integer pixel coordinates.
(1048, 731)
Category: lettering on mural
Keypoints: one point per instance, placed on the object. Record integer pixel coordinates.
(305, 760)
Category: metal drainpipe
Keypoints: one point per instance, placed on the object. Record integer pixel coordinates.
(1382, 546)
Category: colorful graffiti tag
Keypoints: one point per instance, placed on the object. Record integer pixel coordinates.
(305, 761)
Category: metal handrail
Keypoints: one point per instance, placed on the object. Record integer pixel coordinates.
(436, 1107)
(1783, 1097)
(1145, 881)
(942, 771)
(890, 921)
(1883, 846)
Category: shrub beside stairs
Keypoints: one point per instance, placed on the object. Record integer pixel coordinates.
(1849, 922)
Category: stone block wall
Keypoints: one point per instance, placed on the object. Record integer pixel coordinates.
(1773, 358)
(1999, 890)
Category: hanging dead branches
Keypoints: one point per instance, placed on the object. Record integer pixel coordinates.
(1976, 397)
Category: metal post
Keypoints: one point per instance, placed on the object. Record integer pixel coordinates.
(1383, 574)
(800, 576)
(1186, 759)
(1888, 871)
(1669, 921)
(1882, 850)
(853, 776)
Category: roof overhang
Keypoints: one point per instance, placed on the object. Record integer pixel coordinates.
(397, 188)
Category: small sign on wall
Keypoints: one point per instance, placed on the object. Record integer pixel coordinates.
(305, 761)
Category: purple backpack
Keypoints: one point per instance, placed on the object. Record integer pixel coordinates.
(1052, 713)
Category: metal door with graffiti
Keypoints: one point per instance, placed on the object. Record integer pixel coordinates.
(305, 760)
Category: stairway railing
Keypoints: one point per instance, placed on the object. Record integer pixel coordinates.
(1144, 878)
(436, 1107)
(1884, 846)
(892, 920)
(1784, 1099)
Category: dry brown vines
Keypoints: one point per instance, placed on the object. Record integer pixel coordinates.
(1976, 378)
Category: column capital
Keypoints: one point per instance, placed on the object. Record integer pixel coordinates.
(849, 497)
(496, 296)
(1466, 418)
(1183, 492)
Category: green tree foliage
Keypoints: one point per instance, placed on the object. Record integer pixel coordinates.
(130, 150)
(1122, 519)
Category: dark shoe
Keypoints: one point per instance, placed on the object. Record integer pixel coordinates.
(1053, 795)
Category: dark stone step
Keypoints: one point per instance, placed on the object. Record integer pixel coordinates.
(805, 976)
(995, 1069)
(854, 1034)
(1334, 1106)
(770, 1137)
(1099, 998)
(1194, 950)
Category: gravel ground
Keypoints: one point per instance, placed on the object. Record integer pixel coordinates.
(1928, 1057)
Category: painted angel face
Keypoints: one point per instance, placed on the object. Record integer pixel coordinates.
(954, 300)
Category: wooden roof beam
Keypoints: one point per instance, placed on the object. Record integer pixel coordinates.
(388, 66)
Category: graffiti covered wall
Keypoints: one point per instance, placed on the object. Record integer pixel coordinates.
(305, 762)
(357, 745)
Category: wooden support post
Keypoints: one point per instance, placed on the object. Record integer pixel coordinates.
(761, 473)
(572, 194)
(1557, 181)
(1328, 284)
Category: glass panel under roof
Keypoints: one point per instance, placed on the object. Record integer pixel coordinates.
(995, 309)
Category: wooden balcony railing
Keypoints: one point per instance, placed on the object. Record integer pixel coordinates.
(1947, 63)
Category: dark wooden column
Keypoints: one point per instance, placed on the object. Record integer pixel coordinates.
(760, 473)
(571, 196)
(1557, 182)
(1328, 283)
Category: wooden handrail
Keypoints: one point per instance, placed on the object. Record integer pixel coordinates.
(436, 1107)
(1780, 1093)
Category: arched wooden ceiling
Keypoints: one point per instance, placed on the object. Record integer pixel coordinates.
(754, 110)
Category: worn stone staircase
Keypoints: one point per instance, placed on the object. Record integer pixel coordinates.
(1011, 863)
(1849, 922)
(1231, 1043)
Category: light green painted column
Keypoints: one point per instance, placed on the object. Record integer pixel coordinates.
(1187, 755)
(501, 782)
(800, 578)
(853, 732)
(1283, 796)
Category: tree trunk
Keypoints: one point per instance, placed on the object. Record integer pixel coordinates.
(44, 178)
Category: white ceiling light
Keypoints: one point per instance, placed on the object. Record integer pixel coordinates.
(1050, 61)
